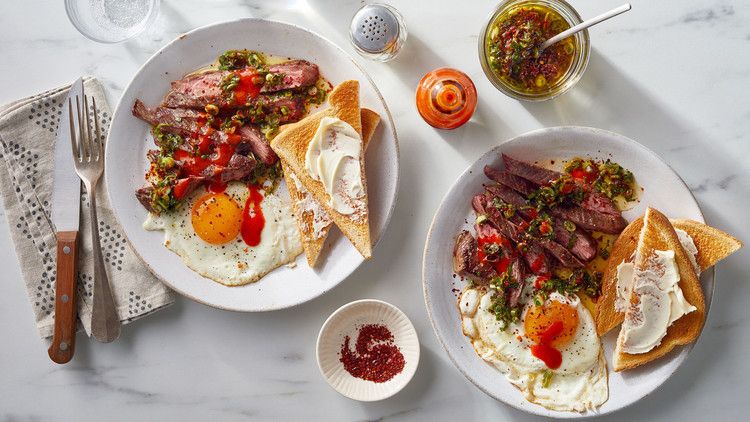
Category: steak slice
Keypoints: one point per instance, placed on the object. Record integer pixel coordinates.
(288, 109)
(464, 254)
(590, 220)
(518, 184)
(253, 140)
(579, 242)
(239, 167)
(597, 201)
(536, 174)
(296, 74)
(513, 292)
(566, 258)
(532, 252)
(197, 91)
(144, 197)
(184, 122)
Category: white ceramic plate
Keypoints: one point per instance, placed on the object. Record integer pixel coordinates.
(129, 139)
(663, 189)
(346, 321)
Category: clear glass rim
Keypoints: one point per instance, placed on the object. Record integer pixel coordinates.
(576, 70)
(69, 10)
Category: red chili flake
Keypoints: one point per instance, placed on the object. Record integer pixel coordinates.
(376, 358)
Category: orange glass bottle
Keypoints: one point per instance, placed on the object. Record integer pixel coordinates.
(446, 98)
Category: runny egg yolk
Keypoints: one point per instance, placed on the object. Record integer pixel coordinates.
(540, 318)
(216, 218)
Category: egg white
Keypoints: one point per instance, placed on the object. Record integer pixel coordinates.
(579, 384)
(233, 263)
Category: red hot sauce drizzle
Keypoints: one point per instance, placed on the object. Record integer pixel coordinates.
(253, 220)
(375, 357)
(543, 349)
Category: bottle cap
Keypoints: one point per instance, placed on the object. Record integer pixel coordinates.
(375, 28)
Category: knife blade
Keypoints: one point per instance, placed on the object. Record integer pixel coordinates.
(66, 208)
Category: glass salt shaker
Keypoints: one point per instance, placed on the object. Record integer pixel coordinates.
(377, 32)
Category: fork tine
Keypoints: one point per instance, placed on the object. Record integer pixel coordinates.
(89, 144)
(81, 137)
(73, 136)
(98, 140)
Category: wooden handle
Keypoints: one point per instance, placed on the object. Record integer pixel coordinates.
(64, 337)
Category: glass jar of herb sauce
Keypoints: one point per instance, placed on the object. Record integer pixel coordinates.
(511, 59)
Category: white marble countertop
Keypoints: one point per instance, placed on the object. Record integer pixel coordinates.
(671, 74)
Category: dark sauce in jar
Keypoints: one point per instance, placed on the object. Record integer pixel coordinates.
(512, 48)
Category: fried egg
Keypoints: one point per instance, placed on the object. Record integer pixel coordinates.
(206, 232)
(579, 383)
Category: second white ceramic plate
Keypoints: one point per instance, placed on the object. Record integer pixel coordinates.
(129, 139)
(663, 189)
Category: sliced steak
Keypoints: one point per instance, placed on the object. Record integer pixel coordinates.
(144, 197)
(590, 220)
(253, 140)
(597, 201)
(518, 184)
(578, 241)
(532, 252)
(585, 218)
(465, 256)
(197, 91)
(180, 119)
(566, 258)
(513, 292)
(239, 167)
(296, 74)
(507, 195)
(535, 174)
(289, 109)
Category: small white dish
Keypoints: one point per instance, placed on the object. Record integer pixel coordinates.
(346, 321)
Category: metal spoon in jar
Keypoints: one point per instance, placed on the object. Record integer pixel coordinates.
(583, 25)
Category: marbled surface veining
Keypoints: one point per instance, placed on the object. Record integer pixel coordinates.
(670, 74)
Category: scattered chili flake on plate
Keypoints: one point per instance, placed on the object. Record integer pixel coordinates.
(375, 357)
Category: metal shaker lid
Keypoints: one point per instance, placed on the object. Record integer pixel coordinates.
(374, 28)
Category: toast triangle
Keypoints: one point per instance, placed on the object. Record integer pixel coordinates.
(658, 234)
(713, 246)
(291, 146)
(313, 240)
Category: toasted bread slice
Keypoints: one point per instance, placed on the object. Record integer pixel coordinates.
(659, 235)
(606, 316)
(312, 239)
(713, 246)
(291, 146)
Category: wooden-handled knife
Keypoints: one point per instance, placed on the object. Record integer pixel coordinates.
(66, 206)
